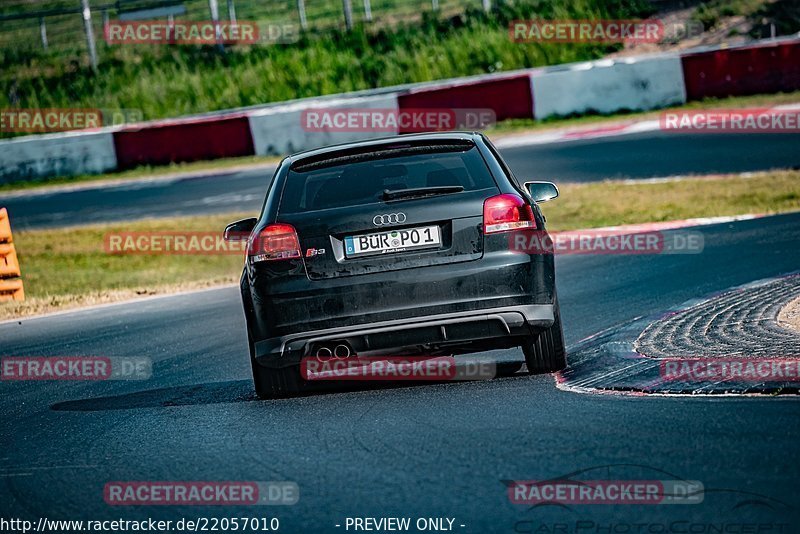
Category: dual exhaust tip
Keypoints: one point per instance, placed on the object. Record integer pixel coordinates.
(340, 351)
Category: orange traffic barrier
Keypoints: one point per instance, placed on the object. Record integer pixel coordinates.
(9, 264)
(11, 290)
(5, 227)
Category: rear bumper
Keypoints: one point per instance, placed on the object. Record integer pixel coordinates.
(288, 302)
(446, 328)
(498, 297)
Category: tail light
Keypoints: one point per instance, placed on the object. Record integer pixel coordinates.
(503, 213)
(275, 242)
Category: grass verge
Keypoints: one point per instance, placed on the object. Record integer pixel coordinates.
(613, 203)
(162, 81)
(88, 275)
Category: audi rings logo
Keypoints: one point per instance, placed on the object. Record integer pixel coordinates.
(389, 218)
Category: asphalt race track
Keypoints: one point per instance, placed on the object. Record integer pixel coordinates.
(643, 155)
(439, 450)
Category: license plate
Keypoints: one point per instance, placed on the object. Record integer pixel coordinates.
(392, 241)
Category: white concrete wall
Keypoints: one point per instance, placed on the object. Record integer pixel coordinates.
(607, 85)
(61, 154)
(279, 130)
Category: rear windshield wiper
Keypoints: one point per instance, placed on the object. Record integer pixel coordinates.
(420, 192)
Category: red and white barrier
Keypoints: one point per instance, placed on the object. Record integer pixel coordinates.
(603, 86)
(763, 68)
(165, 142)
(286, 129)
(508, 95)
(57, 154)
(608, 86)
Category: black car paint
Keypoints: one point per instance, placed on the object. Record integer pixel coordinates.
(289, 308)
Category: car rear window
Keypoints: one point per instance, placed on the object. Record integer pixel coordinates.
(361, 179)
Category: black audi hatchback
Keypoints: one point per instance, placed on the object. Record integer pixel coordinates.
(396, 246)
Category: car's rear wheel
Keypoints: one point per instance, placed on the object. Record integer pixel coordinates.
(545, 353)
(274, 383)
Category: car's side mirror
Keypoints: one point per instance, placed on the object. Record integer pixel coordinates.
(238, 230)
(541, 191)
